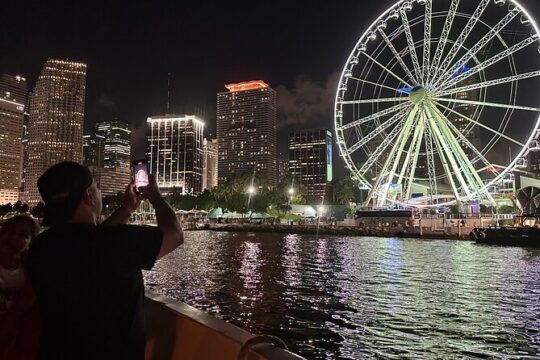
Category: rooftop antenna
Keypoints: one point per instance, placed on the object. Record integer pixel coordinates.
(168, 92)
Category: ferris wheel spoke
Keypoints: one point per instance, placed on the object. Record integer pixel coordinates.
(444, 38)
(489, 104)
(478, 46)
(373, 101)
(491, 61)
(373, 83)
(409, 168)
(481, 125)
(490, 83)
(442, 152)
(373, 134)
(385, 68)
(380, 150)
(463, 138)
(392, 160)
(410, 43)
(467, 169)
(374, 116)
(427, 42)
(398, 57)
(432, 176)
(462, 37)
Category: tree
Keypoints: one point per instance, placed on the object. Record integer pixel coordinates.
(6, 208)
(344, 191)
(18, 207)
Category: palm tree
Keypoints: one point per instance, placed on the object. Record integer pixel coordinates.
(344, 191)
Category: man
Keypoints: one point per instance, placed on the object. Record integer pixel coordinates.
(87, 276)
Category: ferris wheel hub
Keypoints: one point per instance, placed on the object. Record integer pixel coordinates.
(418, 95)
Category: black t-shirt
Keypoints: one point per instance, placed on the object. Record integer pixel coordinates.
(89, 286)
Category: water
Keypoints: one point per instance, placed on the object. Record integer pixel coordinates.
(360, 297)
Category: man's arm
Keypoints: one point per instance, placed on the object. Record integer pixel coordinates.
(166, 218)
(122, 214)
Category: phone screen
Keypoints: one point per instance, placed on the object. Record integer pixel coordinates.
(140, 173)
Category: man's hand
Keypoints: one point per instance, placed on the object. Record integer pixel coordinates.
(151, 191)
(132, 200)
(131, 203)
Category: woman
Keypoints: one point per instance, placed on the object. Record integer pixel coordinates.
(19, 316)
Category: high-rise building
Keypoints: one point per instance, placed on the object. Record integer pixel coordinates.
(210, 163)
(93, 150)
(116, 144)
(310, 159)
(111, 180)
(55, 129)
(13, 97)
(174, 149)
(246, 130)
(108, 153)
(282, 167)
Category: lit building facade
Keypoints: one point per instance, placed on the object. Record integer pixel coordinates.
(93, 150)
(111, 180)
(210, 163)
(246, 131)
(310, 160)
(174, 149)
(55, 127)
(282, 168)
(13, 98)
(116, 143)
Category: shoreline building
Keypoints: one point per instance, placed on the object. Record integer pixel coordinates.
(116, 143)
(93, 150)
(108, 153)
(174, 149)
(55, 127)
(13, 99)
(310, 160)
(210, 164)
(246, 131)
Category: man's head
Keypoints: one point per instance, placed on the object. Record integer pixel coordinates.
(70, 194)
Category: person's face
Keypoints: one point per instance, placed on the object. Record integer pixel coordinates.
(98, 203)
(15, 238)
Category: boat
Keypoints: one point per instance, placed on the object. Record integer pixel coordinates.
(177, 331)
(507, 236)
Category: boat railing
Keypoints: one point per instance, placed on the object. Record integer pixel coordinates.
(178, 331)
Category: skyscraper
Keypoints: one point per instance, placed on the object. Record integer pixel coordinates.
(310, 159)
(174, 149)
(93, 150)
(116, 144)
(55, 128)
(13, 97)
(210, 163)
(246, 130)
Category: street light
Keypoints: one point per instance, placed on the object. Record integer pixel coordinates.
(251, 190)
(291, 191)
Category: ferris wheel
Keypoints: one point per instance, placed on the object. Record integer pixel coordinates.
(439, 101)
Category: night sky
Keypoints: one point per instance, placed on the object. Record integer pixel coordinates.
(296, 46)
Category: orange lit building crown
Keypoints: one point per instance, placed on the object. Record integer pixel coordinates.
(249, 85)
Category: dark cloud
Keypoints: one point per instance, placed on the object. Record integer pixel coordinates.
(107, 102)
(308, 103)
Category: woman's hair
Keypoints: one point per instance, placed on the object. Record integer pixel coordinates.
(22, 220)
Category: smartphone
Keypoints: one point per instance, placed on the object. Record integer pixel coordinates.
(140, 173)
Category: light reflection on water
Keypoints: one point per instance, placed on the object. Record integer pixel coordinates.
(353, 297)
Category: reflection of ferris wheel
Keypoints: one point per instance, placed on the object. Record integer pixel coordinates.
(438, 101)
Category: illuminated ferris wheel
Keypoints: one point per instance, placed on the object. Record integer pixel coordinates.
(439, 101)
